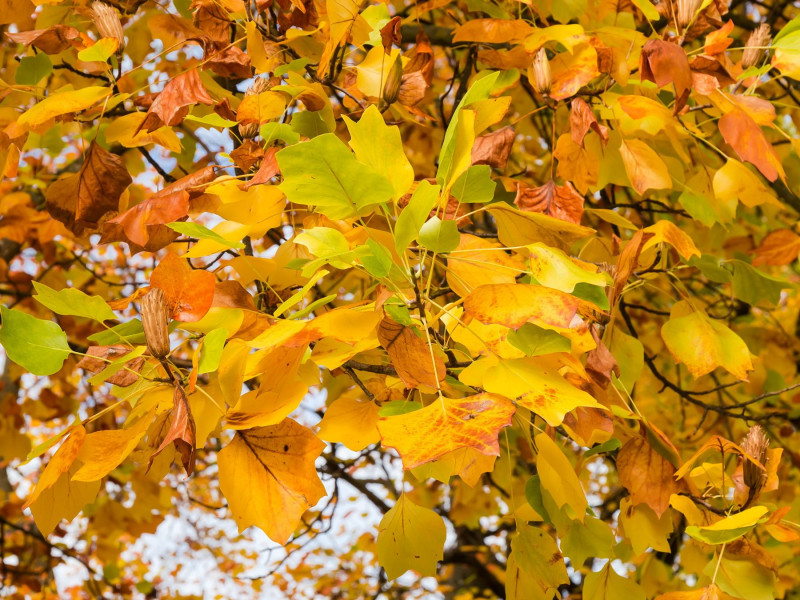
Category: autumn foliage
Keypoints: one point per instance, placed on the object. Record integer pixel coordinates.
(356, 299)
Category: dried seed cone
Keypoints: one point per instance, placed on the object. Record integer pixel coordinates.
(686, 10)
(542, 77)
(106, 19)
(155, 318)
(756, 445)
(756, 46)
(391, 89)
(261, 84)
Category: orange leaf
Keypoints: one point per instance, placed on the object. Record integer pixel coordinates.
(778, 248)
(175, 100)
(493, 149)
(445, 425)
(492, 31)
(60, 463)
(559, 201)
(647, 475)
(645, 168)
(582, 119)
(190, 292)
(513, 305)
(572, 71)
(718, 41)
(413, 358)
(268, 476)
(745, 136)
(53, 40)
(143, 227)
(664, 63)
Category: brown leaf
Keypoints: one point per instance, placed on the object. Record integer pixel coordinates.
(390, 34)
(421, 57)
(194, 183)
(85, 198)
(627, 262)
(412, 88)
(247, 154)
(174, 101)
(213, 20)
(411, 356)
(268, 169)
(600, 363)
(493, 148)
(648, 476)
(745, 136)
(664, 63)
(559, 201)
(52, 40)
(709, 74)
(144, 227)
(93, 363)
(778, 248)
(181, 431)
(582, 119)
(231, 62)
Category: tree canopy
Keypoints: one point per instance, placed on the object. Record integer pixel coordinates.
(356, 299)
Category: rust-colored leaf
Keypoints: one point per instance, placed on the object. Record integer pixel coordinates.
(600, 363)
(665, 62)
(175, 100)
(181, 431)
(582, 119)
(84, 199)
(266, 171)
(97, 358)
(648, 476)
(415, 361)
(52, 40)
(143, 227)
(559, 201)
(390, 34)
(190, 291)
(445, 425)
(494, 148)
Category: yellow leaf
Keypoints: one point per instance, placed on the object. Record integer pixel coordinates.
(123, 131)
(513, 305)
(445, 425)
(645, 168)
(256, 50)
(477, 262)
(267, 475)
(342, 15)
(558, 477)
(467, 463)
(62, 103)
(736, 181)
(667, 231)
(410, 537)
(539, 558)
(352, 422)
(104, 451)
(373, 71)
(704, 344)
(644, 528)
(278, 395)
(710, 592)
(519, 228)
(554, 269)
(60, 463)
(260, 108)
(62, 500)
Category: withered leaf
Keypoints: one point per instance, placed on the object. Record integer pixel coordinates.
(181, 431)
(559, 201)
(494, 148)
(52, 40)
(664, 63)
(174, 101)
(93, 363)
(582, 119)
(144, 227)
(82, 200)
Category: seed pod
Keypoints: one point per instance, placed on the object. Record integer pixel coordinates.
(391, 89)
(260, 85)
(155, 318)
(756, 445)
(686, 10)
(106, 19)
(756, 46)
(542, 77)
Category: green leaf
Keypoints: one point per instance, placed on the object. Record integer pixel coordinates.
(410, 537)
(607, 446)
(100, 51)
(398, 407)
(279, 131)
(35, 344)
(130, 332)
(742, 578)
(648, 9)
(475, 185)
(213, 344)
(534, 340)
(309, 124)
(371, 133)
(201, 232)
(592, 293)
(398, 310)
(375, 258)
(712, 267)
(297, 66)
(324, 242)
(439, 236)
(32, 69)
(591, 539)
(324, 173)
(73, 302)
(752, 285)
(729, 528)
(413, 216)
(533, 494)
